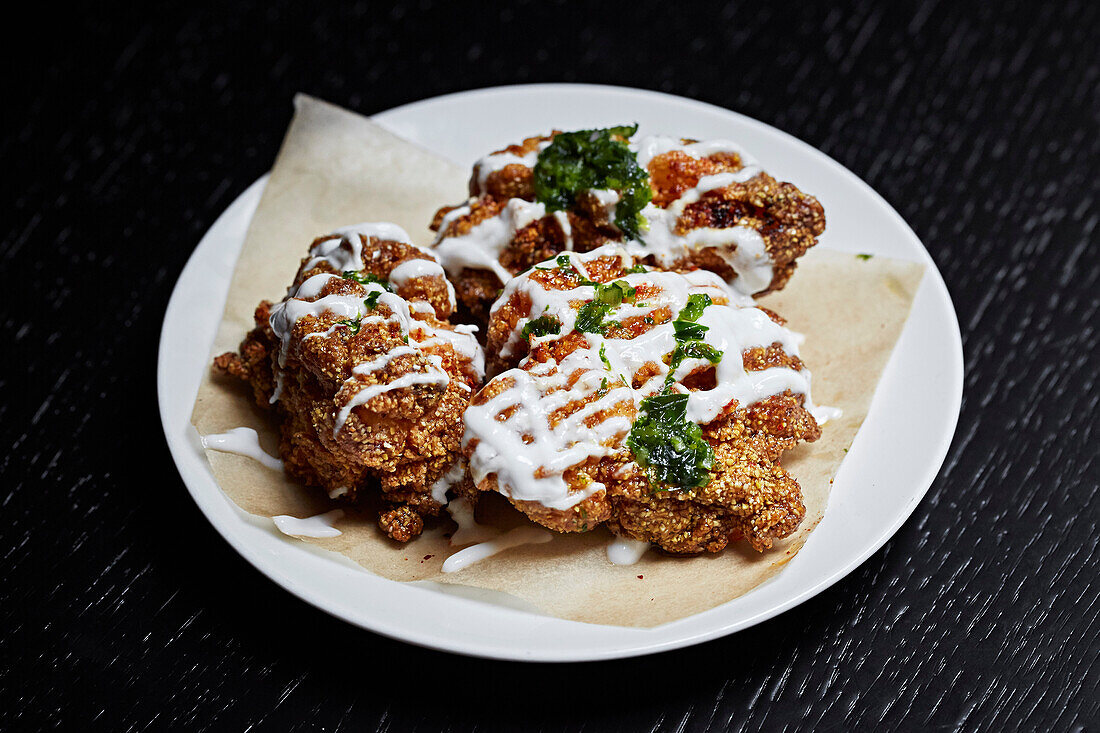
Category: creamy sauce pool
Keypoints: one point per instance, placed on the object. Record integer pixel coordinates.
(625, 551)
(482, 550)
(243, 442)
(317, 527)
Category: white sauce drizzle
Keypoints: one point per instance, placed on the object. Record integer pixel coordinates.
(566, 229)
(741, 247)
(608, 200)
(306, 300)
(824, 414)
(651, 146)
(462, 512)
(452, 476)
(625, 551)
(529, 456)
(303, 302)
(243, 442)
(319, 526)
(494, 162)
(278, 391)
(480, 248)
(414, 268)
(461, 339)
(350, 257)
(476, 553)
(748, 256)
(434, 375)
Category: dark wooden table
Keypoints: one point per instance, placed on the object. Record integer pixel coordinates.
(126, 136)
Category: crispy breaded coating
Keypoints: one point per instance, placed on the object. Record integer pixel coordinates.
(369, 385)
(551, 431)
(749, 496)
(683, 178)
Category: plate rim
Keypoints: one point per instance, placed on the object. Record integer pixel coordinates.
(177, 444)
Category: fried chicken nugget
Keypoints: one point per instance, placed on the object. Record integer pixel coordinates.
(656, 402)
(369, 385)
(712, 208)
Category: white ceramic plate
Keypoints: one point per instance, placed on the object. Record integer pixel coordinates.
(889, 468)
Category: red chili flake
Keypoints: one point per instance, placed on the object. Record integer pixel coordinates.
(640, 577)
(428, 557)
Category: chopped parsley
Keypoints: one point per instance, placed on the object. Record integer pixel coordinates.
(689, 337)
(354, 324)
(694, 308)
(615, 293)
(603, 357)
(864, 256)
(365, 278)
(664, 442)
(544, 325)
(350, 324)
(590, 318)
(668, 445)
(564, 263)
(687, 331)
(594, 160)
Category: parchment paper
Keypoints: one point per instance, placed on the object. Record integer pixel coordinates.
(336, 168)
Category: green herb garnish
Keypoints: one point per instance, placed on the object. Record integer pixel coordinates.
(608, 296)
(694, 308)
(365, 278)
(615, 293)
(864, 256)
(351, 324)
(593, 160)
(692, 350)
(664, 442)
(371, 301)
(590, 317)
(668, 445)
(603, 356)
(689, 337)
(686, 330)
(544, 325)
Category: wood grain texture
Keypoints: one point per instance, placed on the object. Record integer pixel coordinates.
(127, 135)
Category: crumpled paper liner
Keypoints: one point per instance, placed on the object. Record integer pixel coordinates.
(336, 168)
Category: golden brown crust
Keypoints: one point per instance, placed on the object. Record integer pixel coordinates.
(749, 494)
(384, 256)
(511, 181)
(675, 172)
(788, 220)
(399, 441)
